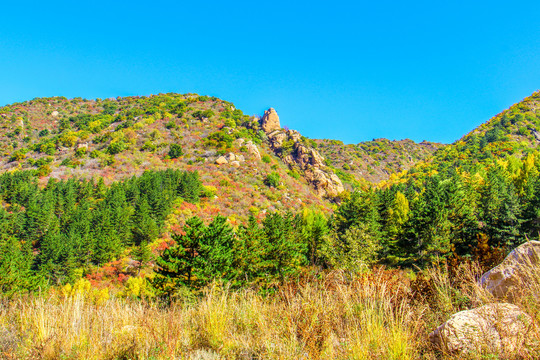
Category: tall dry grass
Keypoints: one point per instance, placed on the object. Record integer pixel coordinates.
(378, 315)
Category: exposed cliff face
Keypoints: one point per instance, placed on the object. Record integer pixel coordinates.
(289, 146)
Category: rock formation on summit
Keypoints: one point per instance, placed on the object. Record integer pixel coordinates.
(289, 145)
(270, 121)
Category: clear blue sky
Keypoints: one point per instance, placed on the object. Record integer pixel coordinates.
(349, 70)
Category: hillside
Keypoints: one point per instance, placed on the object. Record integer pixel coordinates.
(119, 138)
(373, 161)
(147, 210)
(234, 165)
(115, 138)
(513, 132)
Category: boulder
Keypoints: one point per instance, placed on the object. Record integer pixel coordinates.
(235, 163)
(270, 121)
(253, 150)
(239, 142)
(495, 328)
(221, 160)
(306, 156)
(55, 113)
(520, 267)
(324, 183)
(276, 139)
(294, 135)
(230, 157)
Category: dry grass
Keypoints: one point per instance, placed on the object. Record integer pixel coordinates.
(372, 316)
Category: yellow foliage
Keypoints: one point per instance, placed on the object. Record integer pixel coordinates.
(137, 287)
(83, 289)
(94, 126)
(68, 139)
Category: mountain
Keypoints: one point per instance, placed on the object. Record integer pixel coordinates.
(89, 183)
(514, 132)
(118, 138)
(234, 153)
(373, 161)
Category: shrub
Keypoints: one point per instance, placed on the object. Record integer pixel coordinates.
(273, 179)
(294, 174)
(203, 114)
(171, 125)
(80, 152)
(96, 154)
(209, 191)
(149, 146)
(43, 170)
(523, 131)
(266, 159)
(18, 155)
(175, 151)
(116, 147)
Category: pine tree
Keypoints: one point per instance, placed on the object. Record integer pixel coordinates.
(284, 250)
(178, 264)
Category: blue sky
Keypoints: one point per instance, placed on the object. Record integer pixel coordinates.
(348, 70)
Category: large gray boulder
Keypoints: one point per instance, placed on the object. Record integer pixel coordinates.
(494, 328)
(519, 268)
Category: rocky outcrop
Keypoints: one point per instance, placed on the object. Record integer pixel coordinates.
(294, 152)
(520, 267)
(500, 328)
(253, 149)
(326, 184)
(270, 121)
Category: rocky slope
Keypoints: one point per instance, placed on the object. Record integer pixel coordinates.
(118, 138)
(298, 155)
(234, 153)
(373, 161)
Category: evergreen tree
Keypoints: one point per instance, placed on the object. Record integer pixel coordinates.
(284, 249)
(178, 264)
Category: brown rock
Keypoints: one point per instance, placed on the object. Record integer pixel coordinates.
(221, 160)
(253, 150)
(230, 157)
(270, 121)
(520, 267)
(294, 135)
(324, 183)
(500, 328)
(235, 163)
(239, 142)
(308, 156)
(277, 139)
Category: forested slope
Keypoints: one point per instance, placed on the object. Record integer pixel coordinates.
(172, 192)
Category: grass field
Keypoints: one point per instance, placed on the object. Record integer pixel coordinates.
(382, 314)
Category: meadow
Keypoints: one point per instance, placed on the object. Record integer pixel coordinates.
(377, 314)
